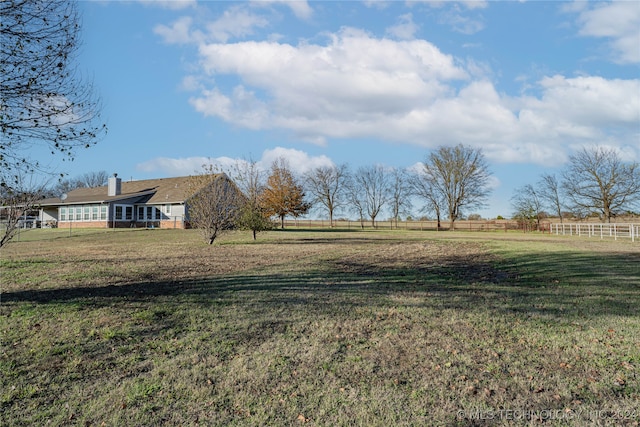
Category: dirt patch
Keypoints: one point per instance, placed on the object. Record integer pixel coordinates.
(470, 261)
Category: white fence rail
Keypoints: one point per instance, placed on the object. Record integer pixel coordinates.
(603, 231)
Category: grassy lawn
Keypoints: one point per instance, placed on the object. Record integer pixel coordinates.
(153, 327)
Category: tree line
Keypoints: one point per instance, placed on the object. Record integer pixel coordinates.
(449, 184)
(451, 181)
(595, 182)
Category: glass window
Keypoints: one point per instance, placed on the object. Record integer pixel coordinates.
(86, 213)
(129, 213)
(140, 213)
(149, 212)
(94, 213)
(103, 212)
(63, 214)
(158, 213)
(79, 213)
(167, 209)
(118, 213)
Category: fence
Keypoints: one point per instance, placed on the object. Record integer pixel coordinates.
(462, 225)
(615, 231)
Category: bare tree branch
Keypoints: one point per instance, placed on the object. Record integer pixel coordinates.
(43, 102)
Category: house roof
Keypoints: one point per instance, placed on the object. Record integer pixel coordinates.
(150, 191)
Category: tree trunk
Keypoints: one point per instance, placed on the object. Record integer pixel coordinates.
(254, 234)
(282, 222)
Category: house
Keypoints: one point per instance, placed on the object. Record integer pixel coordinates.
(153, 203)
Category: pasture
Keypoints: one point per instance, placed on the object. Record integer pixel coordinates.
(318, 328)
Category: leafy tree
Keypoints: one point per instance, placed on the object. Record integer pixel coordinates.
(597, 180)
(327, 187)
(252, 216)
(214, 203)
(283, 195)
(373, 183)
(44, 101)
(458, 176)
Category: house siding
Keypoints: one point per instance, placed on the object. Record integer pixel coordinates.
(174, 220)
(157, 203)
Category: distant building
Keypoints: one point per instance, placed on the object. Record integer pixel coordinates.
(153, 203)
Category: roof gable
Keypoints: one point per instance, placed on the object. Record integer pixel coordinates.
(159, 191)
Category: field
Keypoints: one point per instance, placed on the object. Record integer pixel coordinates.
(327, 328)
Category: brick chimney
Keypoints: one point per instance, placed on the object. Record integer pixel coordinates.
(115, 185)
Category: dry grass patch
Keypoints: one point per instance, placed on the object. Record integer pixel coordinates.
(325, 328)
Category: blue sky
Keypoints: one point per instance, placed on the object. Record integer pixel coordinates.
(360, 82)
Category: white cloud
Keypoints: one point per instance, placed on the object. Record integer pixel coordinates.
(179, 32)
(235, 22)
(461, 22)
(170, 4)
(405, 29)
(314, 83)
(174, 167)
(359, 86)
(300, 8)
(469, 4)
(458, 15)
(378, 4)
(617, 21)
(299, 161)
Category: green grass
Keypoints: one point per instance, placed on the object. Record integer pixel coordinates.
(319, 328)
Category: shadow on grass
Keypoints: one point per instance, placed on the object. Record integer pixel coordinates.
(568, 284)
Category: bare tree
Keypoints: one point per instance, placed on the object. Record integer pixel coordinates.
(399, 192)
(87, 180)
(16, 204)
(64, 186)
(597, 181)
(459, 176)
(283, 195)
(44, 101)
(355, 199)
(423, 187)
(327, 187)
(549, 193)
(527, 206)
(213, 204)
(373, 183)
(94, 179)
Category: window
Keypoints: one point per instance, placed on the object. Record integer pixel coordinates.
(167, 209)
(140, 213)
(83, 213)
(158, 214)
(128, 213)
(149, 212)
(118, 213)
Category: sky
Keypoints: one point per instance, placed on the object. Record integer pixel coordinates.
(187, 83)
